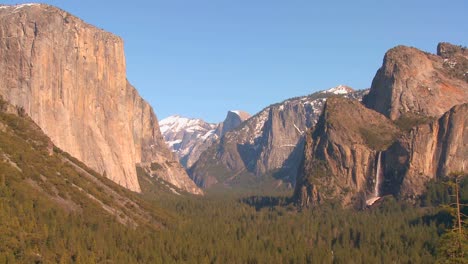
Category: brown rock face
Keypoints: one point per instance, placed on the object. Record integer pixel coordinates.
(426, 152)
(340, 155)
(355, 154)
(417, 83)
(269, 144)
(70, 77)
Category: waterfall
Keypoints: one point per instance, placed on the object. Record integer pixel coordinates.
(378, 175)
(378, 180)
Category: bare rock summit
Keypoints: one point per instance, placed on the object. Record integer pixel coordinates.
(415, 83)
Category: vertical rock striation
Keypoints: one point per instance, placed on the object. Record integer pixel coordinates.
(341, 154)
(70, 77)
(426, 152)
(269, 143)
(422, 134)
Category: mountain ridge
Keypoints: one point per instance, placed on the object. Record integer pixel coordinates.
(262, 144)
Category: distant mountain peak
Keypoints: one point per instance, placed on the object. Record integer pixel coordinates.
(340, 89)
(242, 114)
(189, 137)
(233, 119)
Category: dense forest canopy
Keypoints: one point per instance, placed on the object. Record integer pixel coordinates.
(54, 209)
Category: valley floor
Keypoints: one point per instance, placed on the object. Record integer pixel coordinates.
(224, 230)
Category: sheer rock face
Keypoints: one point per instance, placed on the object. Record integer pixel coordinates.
(426, 96)
(340, 154)
(70, 77)
(414, 82)
(232, 121)
(257, 146)
(426, 152)
(268, 143)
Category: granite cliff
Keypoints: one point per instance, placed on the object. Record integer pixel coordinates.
(265, 148)
(413, 82)
(411, 128)
(70, 77)
(340, 156)
(427, 151)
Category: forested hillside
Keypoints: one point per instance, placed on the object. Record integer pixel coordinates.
(55, 210)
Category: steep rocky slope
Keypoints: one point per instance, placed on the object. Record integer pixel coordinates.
(70, 77)
(425, 98)
(188, 138)
(269, 143)
(31, 166)
(342, 151)
(427, 151)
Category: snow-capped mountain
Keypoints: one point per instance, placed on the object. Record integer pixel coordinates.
(268, 143)
(340, 89)
(189, 137)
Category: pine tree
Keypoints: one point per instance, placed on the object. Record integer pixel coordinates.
(453, 245)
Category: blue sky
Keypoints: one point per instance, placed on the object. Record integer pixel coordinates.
(202, 58)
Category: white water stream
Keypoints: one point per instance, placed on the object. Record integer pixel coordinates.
(378, 175)
(378, 180)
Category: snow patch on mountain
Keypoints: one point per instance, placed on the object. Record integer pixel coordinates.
(187, 137)
(340, 89)
(252, 130)
(17, 7)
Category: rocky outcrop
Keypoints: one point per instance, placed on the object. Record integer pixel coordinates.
(426, 152)
(412, 82)
(70, 77)
(269, 144)
(340, 155)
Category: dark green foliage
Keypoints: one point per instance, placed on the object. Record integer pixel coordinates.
(453, 245)
(441, 192)
(46, 218)
(222, 230)
(50, 211)
(409, 120)
(378, 138)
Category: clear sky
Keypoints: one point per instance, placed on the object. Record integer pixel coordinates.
(201, 58)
